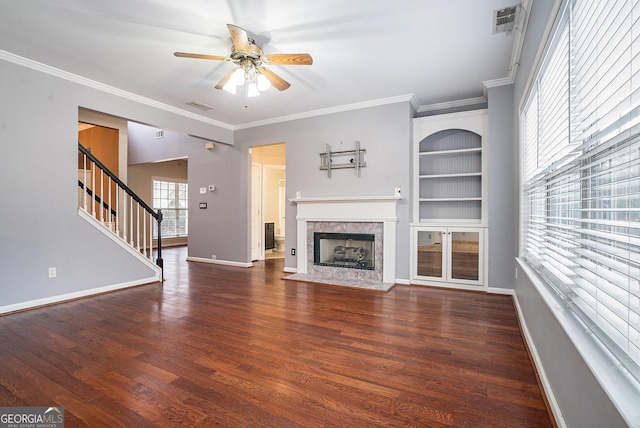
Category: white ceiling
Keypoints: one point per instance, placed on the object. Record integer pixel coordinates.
(363, 50)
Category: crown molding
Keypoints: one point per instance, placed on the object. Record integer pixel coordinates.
(498, 82)
(414, 103)
(34, 65)
(520, 32)
(452, 104)
(330, 110)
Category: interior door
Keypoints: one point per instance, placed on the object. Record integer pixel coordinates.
(256, 212)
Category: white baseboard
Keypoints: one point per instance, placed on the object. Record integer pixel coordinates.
(290, 270)
(553, 403)
(219, 262)
(505, 291)
(75, 295)
(403, 281)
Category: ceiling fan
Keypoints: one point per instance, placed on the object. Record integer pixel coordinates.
(251, 63)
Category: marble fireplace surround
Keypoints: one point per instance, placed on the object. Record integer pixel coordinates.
(364, 214)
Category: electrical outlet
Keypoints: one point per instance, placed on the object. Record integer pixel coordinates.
(214, 257)
(52, 272)
(293, 251)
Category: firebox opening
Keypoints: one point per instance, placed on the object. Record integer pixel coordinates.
(348, 250)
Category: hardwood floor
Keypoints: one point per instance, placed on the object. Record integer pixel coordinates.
(227, 346)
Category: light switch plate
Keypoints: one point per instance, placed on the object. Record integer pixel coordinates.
(203, 190)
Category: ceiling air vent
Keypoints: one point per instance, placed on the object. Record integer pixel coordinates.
(199, 105)
(504, 20)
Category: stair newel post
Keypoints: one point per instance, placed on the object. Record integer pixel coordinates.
(159, 261)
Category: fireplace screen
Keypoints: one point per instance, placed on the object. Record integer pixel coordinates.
(349, 250)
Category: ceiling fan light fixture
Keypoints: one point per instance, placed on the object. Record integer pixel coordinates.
(263, 82)
(237, 78)
(230, 87)
(250, 59)
(252, 89)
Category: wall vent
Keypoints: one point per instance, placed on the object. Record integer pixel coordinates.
(504, 20)
(159, 133)
(199, 105)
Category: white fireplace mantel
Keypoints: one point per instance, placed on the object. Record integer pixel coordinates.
(350, 209)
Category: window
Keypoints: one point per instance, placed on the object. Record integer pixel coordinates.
(172, 198)
(581, 171)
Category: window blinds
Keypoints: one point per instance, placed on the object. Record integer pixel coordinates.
(581, 170)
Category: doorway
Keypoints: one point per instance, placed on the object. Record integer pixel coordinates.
(268, 201)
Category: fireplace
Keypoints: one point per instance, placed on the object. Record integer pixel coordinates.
(346, 250)
(364, 215)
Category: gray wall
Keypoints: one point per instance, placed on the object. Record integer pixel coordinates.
(384, 131)
(221, 228)
(580, 397)
(40, 225)
(502, 173)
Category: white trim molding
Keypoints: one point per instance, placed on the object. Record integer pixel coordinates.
(75, 295)
(219, 262)
(452, 104)
(321, 112)
(34, 65)
(537, 362)
(520, 32)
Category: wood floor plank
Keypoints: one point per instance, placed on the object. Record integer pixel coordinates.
(225, 346)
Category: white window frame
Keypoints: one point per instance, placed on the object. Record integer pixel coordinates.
(579, 258)
(178, 211)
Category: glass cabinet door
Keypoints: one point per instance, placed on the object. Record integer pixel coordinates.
(465, 256)
(429, 259)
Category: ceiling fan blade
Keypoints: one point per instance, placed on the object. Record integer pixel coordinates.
(276, 81)
(239, 37)
(289, 59)
(225, 79)
(200, 56)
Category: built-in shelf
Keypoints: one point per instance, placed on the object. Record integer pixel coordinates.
(448, 231)
(465, 174)
(450, 152)
(448, 199)
(449, 181)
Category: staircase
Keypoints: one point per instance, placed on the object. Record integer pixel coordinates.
(116, 208)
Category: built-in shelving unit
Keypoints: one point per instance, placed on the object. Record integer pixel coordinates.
(449, 199)
(449, 182)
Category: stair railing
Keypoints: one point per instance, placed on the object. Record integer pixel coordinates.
(107, 199)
